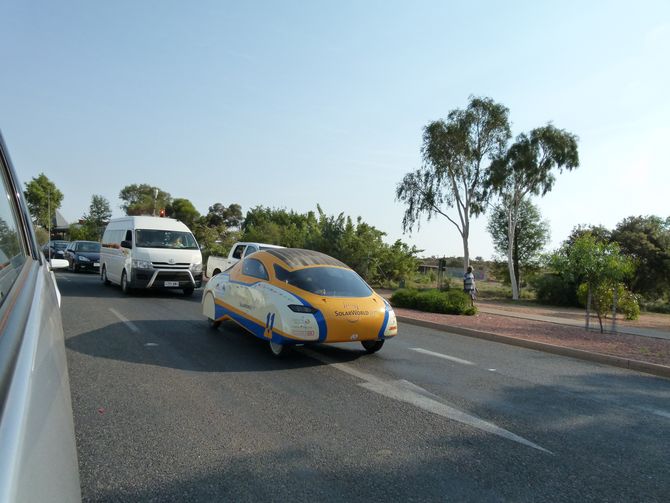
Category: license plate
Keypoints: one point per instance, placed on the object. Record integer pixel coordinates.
(172, 283)
(96, 264)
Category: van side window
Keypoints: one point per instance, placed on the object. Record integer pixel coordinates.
(238, 251)
(129, 236)
(254, 268)
(13, 251)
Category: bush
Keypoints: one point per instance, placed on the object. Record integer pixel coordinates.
(554, 290)
(434, 301)
(656, 306)
(603, 298)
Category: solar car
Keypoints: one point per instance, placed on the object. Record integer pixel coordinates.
(290, 296)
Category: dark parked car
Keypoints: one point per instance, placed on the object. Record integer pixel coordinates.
(55, 249)
(83, 256)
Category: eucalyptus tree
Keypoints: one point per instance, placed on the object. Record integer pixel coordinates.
(43, 199)
(528, 168)
(456, 155)
(530, 236)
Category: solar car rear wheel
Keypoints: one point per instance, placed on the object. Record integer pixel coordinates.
(278, 350)
(213, 324)
(372, 346)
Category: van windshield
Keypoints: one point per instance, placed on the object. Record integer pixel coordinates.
(156, 238)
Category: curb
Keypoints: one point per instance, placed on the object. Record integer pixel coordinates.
(615, 361)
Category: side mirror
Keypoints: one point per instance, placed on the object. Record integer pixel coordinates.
(126, 244)
(58, 263)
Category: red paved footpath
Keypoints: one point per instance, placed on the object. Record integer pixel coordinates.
(633, 347)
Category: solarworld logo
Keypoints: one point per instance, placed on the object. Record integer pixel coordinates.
(352, 313)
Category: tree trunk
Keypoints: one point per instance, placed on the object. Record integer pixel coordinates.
(466, 252)
(515, 258)
(510, 254)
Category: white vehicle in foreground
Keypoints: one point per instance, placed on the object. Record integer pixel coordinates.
(150, 252)
(216, 265)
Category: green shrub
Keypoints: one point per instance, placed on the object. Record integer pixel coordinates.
(603, 297)
(434, 301)
(404, 298)
(656, 306)
(554, 290)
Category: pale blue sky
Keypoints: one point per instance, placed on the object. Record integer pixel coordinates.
(290, 104)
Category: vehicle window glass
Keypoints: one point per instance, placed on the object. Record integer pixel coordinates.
(255, 269)
(158, 238)
(13, 251)
(249, 250)
(238, 251)
(326, 281)
(129, 235)
(88, 247)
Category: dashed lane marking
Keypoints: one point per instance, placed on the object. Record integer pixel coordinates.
(443, 356)
(405, 391)
(125, 320)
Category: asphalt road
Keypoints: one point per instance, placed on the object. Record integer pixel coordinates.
(167, 410)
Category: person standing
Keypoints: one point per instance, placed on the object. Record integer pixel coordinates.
(469, 286)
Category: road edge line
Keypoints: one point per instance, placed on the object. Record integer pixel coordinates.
(615, 361)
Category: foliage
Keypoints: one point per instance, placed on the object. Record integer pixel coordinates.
(588, 260)
(184, 211)
(9, 242)
(220, 215)
(527, 168)
(602, 300)
(599, 232)
(100, 211)
(647, 240)
(94, 222)
(455, 155)
(530, 236)
(357, 244)
(43, 199)
(87, 231)
(555, 290)
(434, 301)
(143, 199)
(42, 236)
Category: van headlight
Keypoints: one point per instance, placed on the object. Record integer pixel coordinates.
(142, 264)
(196, 268)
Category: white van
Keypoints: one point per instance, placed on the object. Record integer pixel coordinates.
(150, 252)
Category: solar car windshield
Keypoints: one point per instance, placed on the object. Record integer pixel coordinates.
(326, 281)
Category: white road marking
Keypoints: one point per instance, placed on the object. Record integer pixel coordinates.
(125, 320)
(150, 344)
(491, 370)
(405, 391)
(440, 355)
(658, 412)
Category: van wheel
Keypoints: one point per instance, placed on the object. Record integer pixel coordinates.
(103, 277)
(372, 346)
(124, 283)
(188, 291)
